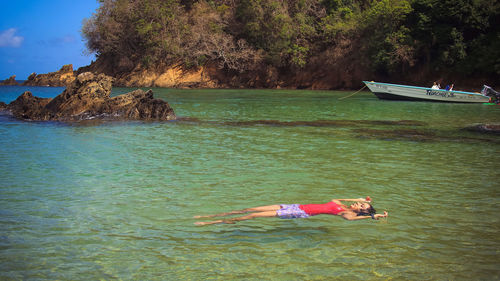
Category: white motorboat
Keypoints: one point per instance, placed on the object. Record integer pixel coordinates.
(403, 92)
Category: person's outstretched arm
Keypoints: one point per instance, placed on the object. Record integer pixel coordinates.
(367, 199)
(352, 216)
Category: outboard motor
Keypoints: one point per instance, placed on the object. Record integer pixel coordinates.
(494, 95)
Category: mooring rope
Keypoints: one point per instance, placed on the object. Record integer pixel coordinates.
(352, 94)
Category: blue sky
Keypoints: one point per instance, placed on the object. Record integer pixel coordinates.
(42, 36)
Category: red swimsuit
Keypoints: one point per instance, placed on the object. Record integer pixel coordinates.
(330, 208)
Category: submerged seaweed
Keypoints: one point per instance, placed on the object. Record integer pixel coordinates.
(418, 136)
(400, 130)
(326, 123)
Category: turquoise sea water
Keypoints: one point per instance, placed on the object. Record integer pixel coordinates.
(115, 200)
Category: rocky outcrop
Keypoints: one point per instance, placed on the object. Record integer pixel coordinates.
(484, 128)
(62, 78)
(26, 106)
(10, 82)
(164, 76)
(88, 97)
(173, 77)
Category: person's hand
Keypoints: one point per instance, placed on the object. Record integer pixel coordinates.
(385, 215)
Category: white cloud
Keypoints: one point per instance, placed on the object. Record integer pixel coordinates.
(8, 38)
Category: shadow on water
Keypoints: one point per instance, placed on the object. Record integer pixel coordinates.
(230, 234)
(265, 234)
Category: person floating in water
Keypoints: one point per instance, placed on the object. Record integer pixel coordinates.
(361, 209)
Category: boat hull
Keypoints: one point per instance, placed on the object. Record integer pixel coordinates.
(411, 93)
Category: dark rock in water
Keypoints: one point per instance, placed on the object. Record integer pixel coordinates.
(484, 128)
(61, 78)
(88, 98)
(10, 82)
(26, 106)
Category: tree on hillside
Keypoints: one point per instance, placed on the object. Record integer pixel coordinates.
(462, 34)
(139, 31)
(388, 37)
(209, 41)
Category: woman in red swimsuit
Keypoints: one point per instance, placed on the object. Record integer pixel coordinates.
(361, 209)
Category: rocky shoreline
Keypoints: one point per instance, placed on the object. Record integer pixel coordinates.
(87, 98)
(173, 77)
(10, 82)
(339, 77)
(61, 78)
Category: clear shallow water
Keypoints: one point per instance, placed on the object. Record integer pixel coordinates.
(116, 200)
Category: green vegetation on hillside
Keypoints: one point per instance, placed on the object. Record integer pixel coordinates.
(389, 36)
